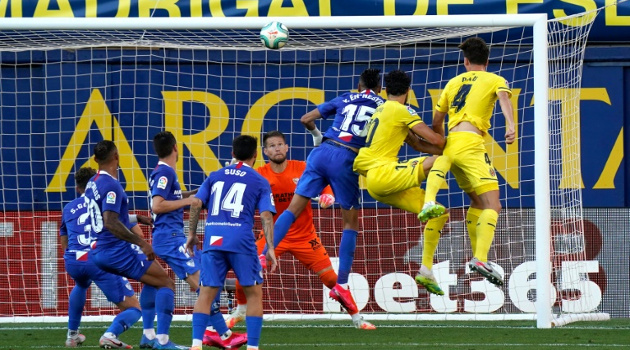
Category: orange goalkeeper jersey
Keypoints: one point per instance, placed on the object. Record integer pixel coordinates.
(283, 187)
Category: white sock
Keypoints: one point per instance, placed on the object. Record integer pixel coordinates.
(226, 335)
(72, 333)
(210, 329)
(162, 338)
(197, 342)
(149, 333)
(251, 347)
(110, 335)
(356, 317)
(241, 308)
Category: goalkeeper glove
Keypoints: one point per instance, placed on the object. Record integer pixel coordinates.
(326, 200)
(233, 161)
(317, 137)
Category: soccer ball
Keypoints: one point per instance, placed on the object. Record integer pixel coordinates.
(274, 35)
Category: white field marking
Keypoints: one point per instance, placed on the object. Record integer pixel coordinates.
(271, 324)
(410, 345)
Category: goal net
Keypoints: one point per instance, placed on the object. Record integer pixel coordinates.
(65, 85)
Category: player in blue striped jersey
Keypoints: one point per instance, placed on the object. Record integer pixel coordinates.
(111, 251)
(331, 164)
(75, 240)
(232, 195)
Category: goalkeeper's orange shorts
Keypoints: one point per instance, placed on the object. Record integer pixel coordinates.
(308, 250)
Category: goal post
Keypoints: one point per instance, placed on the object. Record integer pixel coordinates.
(74, 82)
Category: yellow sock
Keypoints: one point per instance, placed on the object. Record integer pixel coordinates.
(485, 233)
(472, 217)
(437, 176)
(432, 232)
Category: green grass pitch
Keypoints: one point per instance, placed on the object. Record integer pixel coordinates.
(407, 335)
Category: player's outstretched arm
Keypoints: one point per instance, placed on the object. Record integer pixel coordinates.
(117, 228)
(421, 145)
(422, 130)
(266, 217)
(193, 221)
(187, 194)
(161, 205)
(308, 120)
(506, 108)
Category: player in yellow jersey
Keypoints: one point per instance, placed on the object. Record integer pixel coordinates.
(469, 100)
(398, 183)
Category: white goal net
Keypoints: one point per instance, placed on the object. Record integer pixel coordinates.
(64, 86)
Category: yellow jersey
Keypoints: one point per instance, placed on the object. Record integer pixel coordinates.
(386, 134)
(470, 97)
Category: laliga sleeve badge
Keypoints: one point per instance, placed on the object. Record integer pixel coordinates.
(111, 197)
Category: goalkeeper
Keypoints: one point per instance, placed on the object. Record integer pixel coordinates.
(465, 154)
(302, 240)
(398, 183)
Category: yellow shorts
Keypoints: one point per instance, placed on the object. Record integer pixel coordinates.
(398, 184)
(471, 165)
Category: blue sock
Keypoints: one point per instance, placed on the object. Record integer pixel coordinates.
(254, 327)
(124, 320)
(75, 306)
(216, 318)
(282, 226)
(199, 323)
(164, 307)
(346, 254)
(147, 303)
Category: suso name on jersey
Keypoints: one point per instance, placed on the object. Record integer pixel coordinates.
(235, 172)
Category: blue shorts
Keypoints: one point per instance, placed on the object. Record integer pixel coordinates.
(215, 265)
(331, 164)
(115, 288)
(176, 256)
(121, 260)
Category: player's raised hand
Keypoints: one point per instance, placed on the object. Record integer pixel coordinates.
(191, 243)
(233, 161)
(326, 200)
(271, 258)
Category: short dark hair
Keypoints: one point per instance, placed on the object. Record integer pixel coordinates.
(397, 82)
(244, 147)
(476, 50)
(82, 176)
(103, 150)
(274, 133)
(163, 144)
(370, 78)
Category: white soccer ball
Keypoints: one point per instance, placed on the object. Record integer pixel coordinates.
(274, 35)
